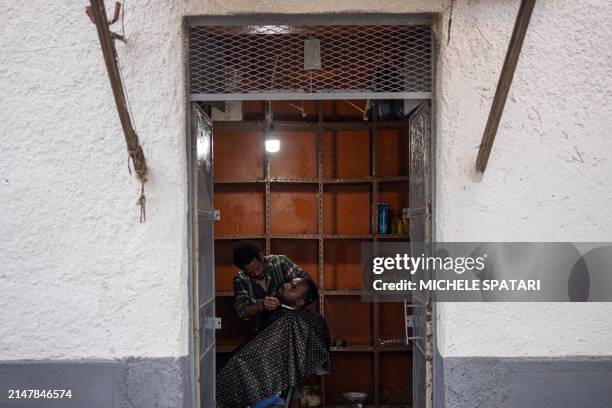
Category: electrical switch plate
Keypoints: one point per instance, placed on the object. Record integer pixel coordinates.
(312, 54)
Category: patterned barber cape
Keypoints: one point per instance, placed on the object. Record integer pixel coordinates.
(295, 346)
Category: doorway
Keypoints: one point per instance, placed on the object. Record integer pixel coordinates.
(315, 200)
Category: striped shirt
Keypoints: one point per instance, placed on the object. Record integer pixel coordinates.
(279, 270)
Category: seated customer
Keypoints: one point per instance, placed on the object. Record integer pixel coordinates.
(283, 355)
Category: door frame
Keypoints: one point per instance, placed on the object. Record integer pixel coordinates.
(193, 400)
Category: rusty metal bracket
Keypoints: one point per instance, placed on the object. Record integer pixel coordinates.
(97, 14)
(505, 80)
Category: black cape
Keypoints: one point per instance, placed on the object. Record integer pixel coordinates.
(281, 356)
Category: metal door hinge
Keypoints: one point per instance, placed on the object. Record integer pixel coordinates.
(213, 323)
(214, 215)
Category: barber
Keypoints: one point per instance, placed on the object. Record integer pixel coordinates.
(258, 281)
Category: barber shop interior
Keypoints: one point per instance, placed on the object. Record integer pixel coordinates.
(297, 179)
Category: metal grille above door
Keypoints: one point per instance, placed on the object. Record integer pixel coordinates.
(310, 62)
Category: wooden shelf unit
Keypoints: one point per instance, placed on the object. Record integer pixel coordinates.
(328, 198)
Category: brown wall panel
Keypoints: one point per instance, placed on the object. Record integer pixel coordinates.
(238, 154)
(297, 157)
(392, 152)
(396, 377)
(342, 264)
(293, 209)
(346, 154)
(348, 318)
(224, 266)
(352, 372)
(242, 209)
(304, 252)
(346, 209)
(392, 321)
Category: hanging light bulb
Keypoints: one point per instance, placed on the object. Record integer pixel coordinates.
(272, 143)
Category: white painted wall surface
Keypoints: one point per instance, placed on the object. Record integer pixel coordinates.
(81, 278)
(548, 177)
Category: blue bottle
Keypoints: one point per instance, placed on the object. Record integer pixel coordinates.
(383, 217)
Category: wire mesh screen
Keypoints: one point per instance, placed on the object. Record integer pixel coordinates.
(309, 59)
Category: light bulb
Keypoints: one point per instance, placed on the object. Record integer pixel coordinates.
(272, 145)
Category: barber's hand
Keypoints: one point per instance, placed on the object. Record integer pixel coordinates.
(271, 303)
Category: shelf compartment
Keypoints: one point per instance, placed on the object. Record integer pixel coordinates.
(392, 320)
(304, 253)
(392, 152)
(225, 270)
(348, 318)
(346, 154)
(293, 209)
(297, 157)
(238, 154)
(346, 209)
(342, 264)
(242, 209)
(396, 194)
(396, 378)
(351, 372)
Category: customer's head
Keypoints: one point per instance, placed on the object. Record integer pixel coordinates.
(247, 256)
(300, 292)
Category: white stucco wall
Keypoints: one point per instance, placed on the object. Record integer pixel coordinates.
(81, 278)
(549, 171)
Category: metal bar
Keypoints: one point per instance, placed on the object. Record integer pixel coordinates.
(194, 322)
(374, 231)
(321, 264)
(240, 237)
(295, 125)
(267, 128)
(110, 58)
(505, 80)
(307, 96)
(312, 19)
(294, 236)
